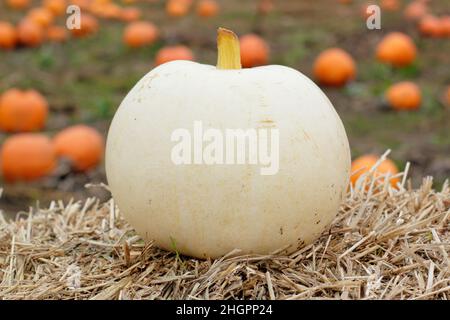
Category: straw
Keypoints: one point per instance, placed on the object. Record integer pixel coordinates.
(384, 243)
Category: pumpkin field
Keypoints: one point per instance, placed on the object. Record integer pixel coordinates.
(84, 78)
(60, 88)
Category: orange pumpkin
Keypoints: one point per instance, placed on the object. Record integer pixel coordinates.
(254, 51)
(364, 163)
(18, 4)
(106, 10)
(81, 144)
(140, 33)
(8, 35)
(404, 95)
(416, 10)
(22, 110)
(334, 67)
(177, 8)
(29, 33)
(41, 16)
(431, 26)
(445, 26)
(88, 26)
(207, 8)
(27, 156)
(364, 10)
(130, 14)
(112, 11)
(390, 5)
(172, 53)
(83, 4)
(397, 49)
(56, 7)
(95, 8)
(56, 34)
(447, 97)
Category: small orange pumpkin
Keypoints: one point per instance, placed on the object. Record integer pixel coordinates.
(207, 8)
(8, 35)
(56, 34)
(41, 16)
(431, 26)
(140, 33)
(29, 33)
(107, 10)
(447, 97)
(83, 4)
(56, 7)
(334, 67)
(254, 51)
(390, 5)
(445, 26)
(173, 53)
(81, 144)
(365, 13)
(397, 49)
(416, 10)
(404, 95)
(177, 8)
(27, 156)
(88, 26)
(130, 14)
(22, 110)
(101, 1)
(18, 4)
(364, 163)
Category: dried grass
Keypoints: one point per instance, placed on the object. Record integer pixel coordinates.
(384, 244)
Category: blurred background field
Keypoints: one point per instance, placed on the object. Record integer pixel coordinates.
(84, 79)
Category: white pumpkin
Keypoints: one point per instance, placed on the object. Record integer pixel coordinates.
(208, 210)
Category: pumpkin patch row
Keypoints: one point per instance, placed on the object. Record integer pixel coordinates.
(30, 33)
(335, 67)
(332, 67)
(417, 11)
(110, 10)
(38, 24)
(180, 8)
(30, 156)
(435, 27)
(27, 155)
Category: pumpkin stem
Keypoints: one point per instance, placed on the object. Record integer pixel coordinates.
(229, 51)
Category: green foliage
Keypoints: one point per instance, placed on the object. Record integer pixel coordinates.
(45, 58)
(174, 248)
